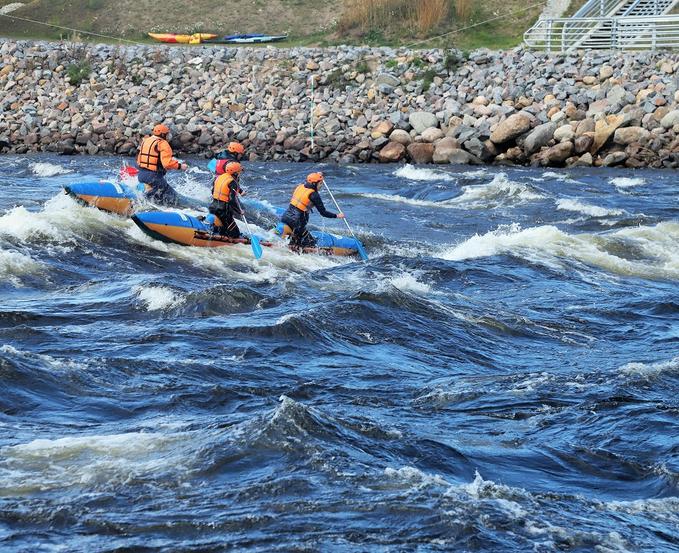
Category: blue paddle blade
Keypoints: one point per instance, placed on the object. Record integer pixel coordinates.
(212, 165)
(361, 251)
(256, 247)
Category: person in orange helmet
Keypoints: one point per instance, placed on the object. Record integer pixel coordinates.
(233, 152)
(154, 159)
(304, 198)
(225, 191)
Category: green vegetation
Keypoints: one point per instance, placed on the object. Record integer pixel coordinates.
(460, 24)
(78, 72)
(428, 79)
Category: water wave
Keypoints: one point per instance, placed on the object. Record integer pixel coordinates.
(158, 297)
(14, 265)
(568, 204)
(500, 192)
(411, 172)
(43, 169)
(658, 245)
(651, 370)
(92, 461)
(627, 182)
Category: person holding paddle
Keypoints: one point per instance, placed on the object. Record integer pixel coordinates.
(304, 198)
(225, 191)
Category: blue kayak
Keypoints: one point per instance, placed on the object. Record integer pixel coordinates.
(246, 39)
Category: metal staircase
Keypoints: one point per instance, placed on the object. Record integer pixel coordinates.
(610, 25)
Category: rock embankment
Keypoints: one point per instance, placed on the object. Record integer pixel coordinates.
(367, 104)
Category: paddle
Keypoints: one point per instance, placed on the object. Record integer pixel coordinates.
(359, 246)
(254, 241)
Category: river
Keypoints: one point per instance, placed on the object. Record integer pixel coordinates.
(502, 375)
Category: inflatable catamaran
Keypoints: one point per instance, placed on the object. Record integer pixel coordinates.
(187, 229)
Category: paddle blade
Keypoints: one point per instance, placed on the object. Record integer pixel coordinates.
(256, 247)
(361, 251)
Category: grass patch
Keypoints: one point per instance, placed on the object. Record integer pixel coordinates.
(78, 72)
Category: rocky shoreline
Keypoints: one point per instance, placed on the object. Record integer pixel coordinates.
(368, 104)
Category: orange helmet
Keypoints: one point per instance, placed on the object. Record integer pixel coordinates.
(233, 167)
(314, 178)
(235, 148)
(160, 130)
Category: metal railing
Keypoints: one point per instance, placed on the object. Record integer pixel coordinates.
(598, 8)
(605, 33)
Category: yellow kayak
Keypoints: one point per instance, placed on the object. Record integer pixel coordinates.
(173, 38)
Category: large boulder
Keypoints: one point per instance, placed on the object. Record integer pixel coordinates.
(515, 125)
(460, 157)
(671, 119)
(630, 135)
(539, 137)
(614, 158)
(422, 120)
(383, 128)
(583, 144)
(557, 154)
(444, 149)
(393, 151)
(432, 134)
(603, 130)
(387, 79)
(421, 152)
(565, 132)
(400, 136)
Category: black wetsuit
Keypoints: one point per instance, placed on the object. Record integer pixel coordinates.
(226, 211)
(161, 192)
(297, 219)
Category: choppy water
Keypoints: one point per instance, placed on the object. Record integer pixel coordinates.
(501, 376)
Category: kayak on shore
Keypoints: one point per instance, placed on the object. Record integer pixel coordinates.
(173, 38)
(246, 39)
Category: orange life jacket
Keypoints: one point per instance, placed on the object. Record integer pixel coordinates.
(221, 189)
(149, 154)
(301, 198)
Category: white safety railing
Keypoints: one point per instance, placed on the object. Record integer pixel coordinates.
(599, 8)
(605, 33)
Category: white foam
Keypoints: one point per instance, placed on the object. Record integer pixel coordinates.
(407, 282)
(650, 370)
(158, 297)
(421, 174)
(198, 188)
(47, 169)
(415, 477)
(403, 200)
(14, 264)
(553, 175)
(500, 191)
(545, 244)
(52, 363)
(47, 464)
(60, 220)
(627, 182)
(586, 209)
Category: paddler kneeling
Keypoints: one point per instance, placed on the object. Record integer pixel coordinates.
(154, 160)
(304, 198)
(225, 191)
